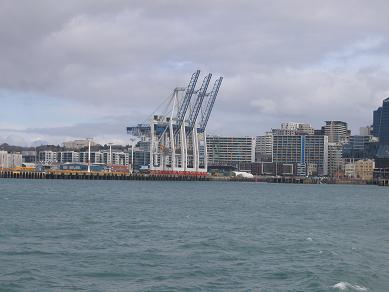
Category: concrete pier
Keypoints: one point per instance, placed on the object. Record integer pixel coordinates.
(96, 176)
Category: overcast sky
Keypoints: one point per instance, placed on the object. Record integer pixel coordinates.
(74, 69)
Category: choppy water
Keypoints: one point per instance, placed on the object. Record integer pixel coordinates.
(192, 236)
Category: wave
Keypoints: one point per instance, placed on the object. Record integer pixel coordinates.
(344, 286)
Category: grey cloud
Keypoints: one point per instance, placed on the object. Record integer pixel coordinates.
(281, 60)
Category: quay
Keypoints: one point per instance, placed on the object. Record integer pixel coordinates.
(81, 175)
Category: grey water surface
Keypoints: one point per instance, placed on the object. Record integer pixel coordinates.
(62, 235)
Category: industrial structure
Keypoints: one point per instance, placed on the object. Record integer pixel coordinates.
(177, 137)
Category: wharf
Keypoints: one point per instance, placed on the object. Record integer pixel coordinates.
(80, 175)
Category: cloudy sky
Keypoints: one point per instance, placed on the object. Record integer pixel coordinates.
(89, 68)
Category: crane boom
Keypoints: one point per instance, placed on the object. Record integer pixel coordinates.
(210, 103)
(185, 103)
(199, 101)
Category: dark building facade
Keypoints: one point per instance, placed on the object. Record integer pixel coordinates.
(360, 147)
(381, 122)
(381, 130)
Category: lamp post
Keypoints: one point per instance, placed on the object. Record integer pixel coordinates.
(132, 139)
(110, 156)
(89, 140)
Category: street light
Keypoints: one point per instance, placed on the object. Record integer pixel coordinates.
(132, 139)
(110, 156)
(89, 140)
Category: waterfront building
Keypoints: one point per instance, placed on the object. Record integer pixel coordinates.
(308, 153)
(316, 154)
(349, 170)
(95, 157)
(381, 130)
(360, 147)
(68, 156)
(29, 156)
(118, 158)
(10, 160)
(264, 148)
(336, 131)
(361, 169)
(77, 144)
(381, 122)
(47, 157)
(335, 160)
(364, 169)
(238, 152)
(141, 155)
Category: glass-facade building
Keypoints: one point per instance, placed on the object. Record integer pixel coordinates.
(381, 122)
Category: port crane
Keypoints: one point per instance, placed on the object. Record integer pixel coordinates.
(177, 138)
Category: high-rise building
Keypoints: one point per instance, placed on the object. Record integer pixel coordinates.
(381, 122)
(360, 147)
(377, 122)
(336, 131)
(231, 151)
(335, 160)
(264, 148)
(308, 153)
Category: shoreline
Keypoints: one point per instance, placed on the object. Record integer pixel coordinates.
(152, 177)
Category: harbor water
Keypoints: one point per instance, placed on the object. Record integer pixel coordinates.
(75, 235)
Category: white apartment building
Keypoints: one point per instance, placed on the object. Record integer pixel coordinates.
(10, 160)
(47, 157)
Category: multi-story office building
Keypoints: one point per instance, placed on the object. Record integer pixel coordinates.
(292, 129)
(95, 157)
(288, 149)
(381, 130)
(336, 131)
(316, 154)
(118, 158)
(141, 155)
(360, 147)
(361, 169)
(299, 128)
(364, 169)
(68, 156)
(264, 148)
(47, 157)
(10, 160)
(335, 160)
(377, 122)
(237, 152)
(308, 153)
(381, 122)
(29, 156)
